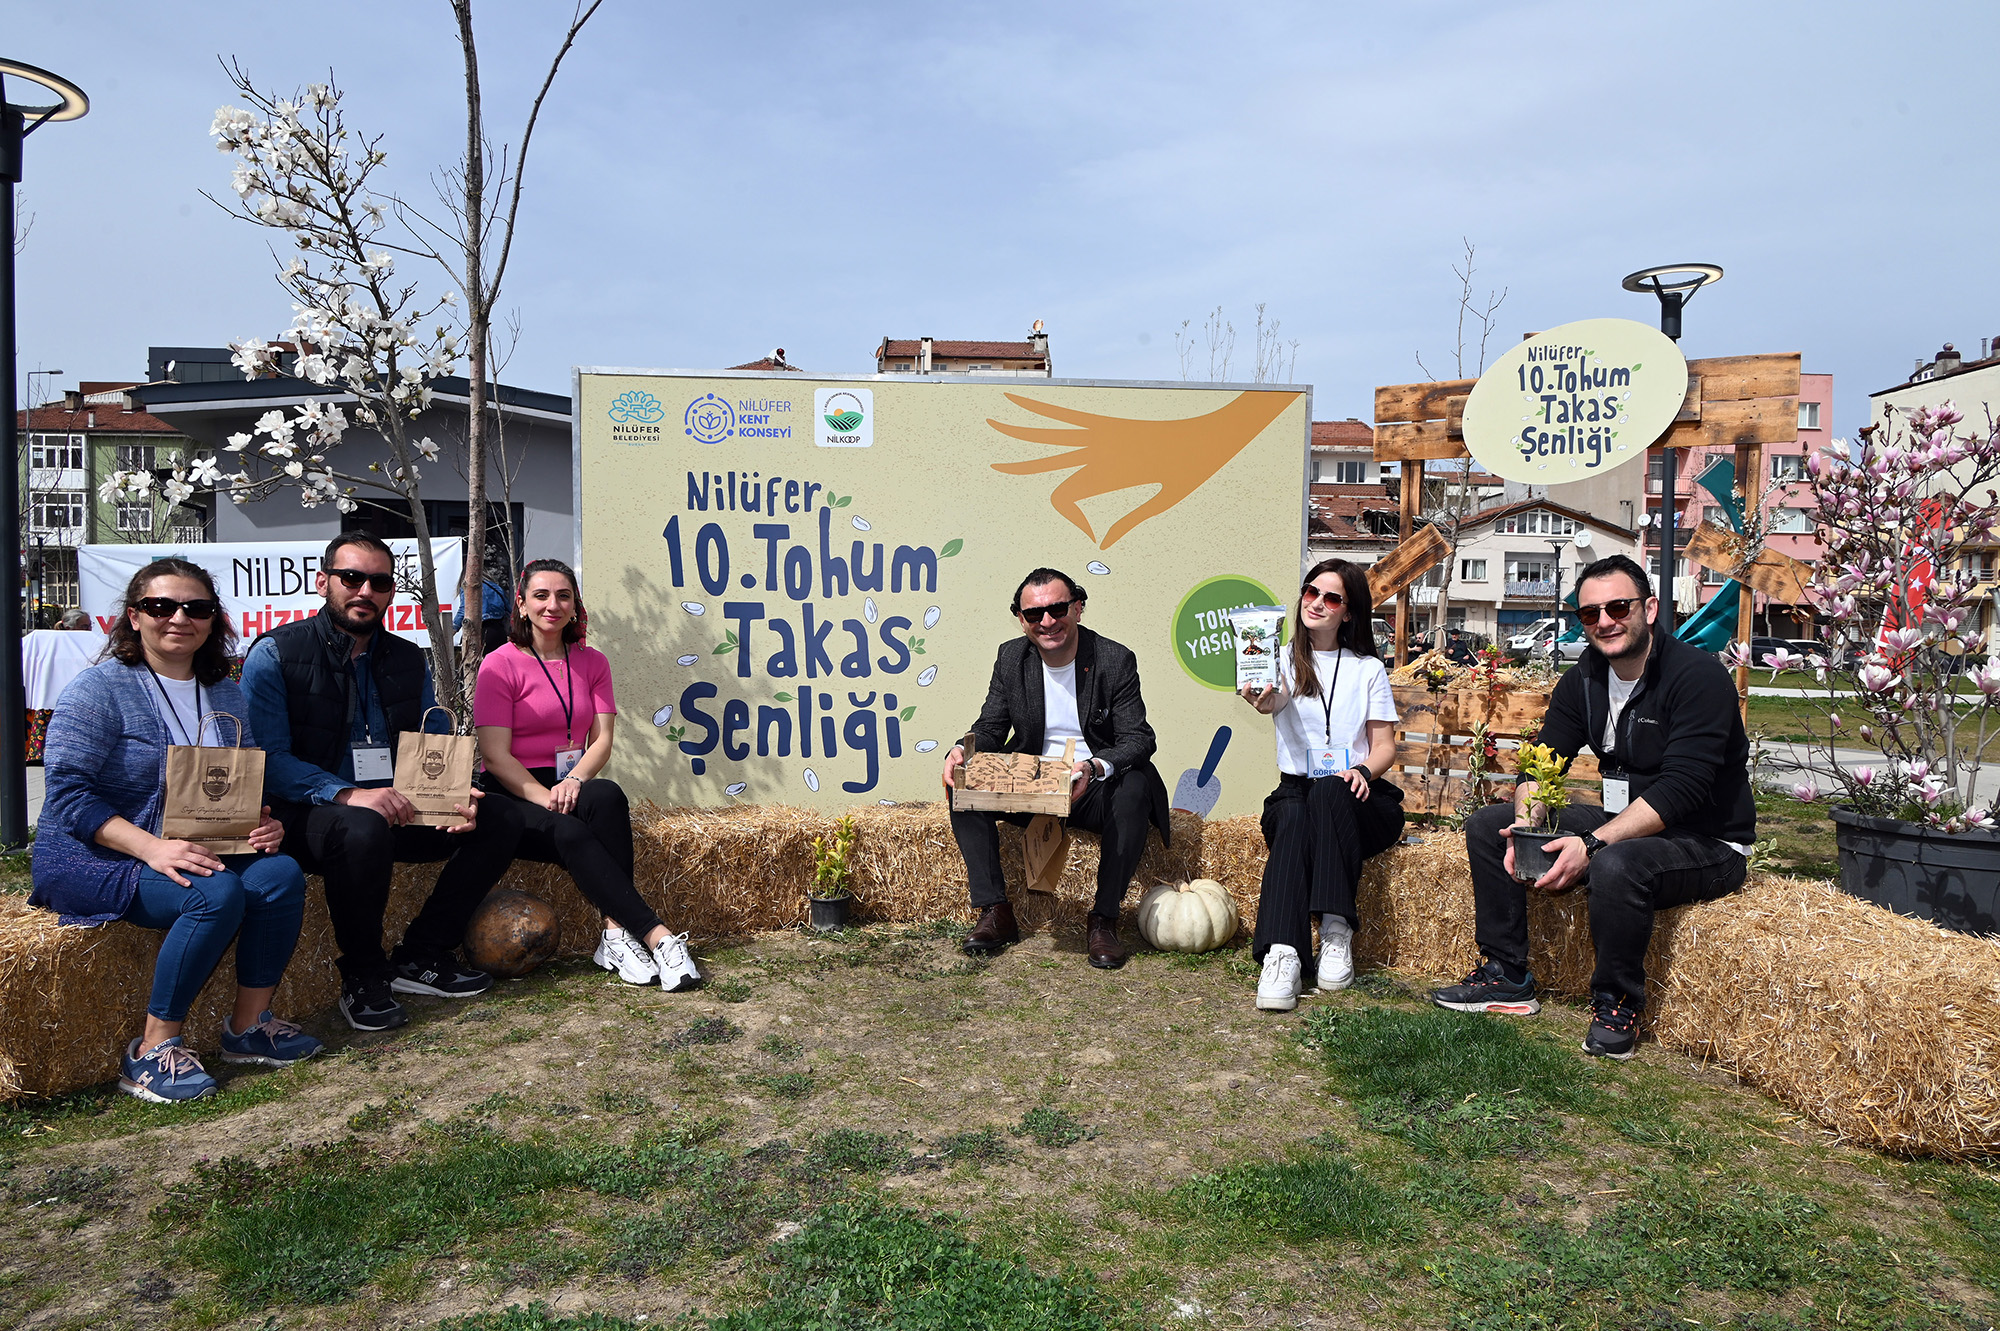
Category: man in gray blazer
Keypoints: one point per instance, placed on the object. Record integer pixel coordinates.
(1059, 681)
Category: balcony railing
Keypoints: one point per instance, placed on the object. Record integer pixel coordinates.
(1541, 589)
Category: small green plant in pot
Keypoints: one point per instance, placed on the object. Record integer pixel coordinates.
(1550, 776)
(833, 876)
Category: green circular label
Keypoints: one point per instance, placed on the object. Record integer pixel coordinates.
(1202, 642)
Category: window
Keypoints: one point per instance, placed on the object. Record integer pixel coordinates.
(1531, 568)
(55, 452)
(1788, 467)
(1454, 618)
(1793, 520)
(1808, 415)
(57, 510)
(1980, 565)
(135, 517)
(135, 457)
(978, 367)
(900, 365)
(1472, 570)
(1353, 472)
(1536, 522)
(1658, 467)
(1713, 577)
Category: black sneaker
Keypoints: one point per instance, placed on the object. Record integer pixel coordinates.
(441, 977)
(1489, 990)
(1614, 1028)
(369, 1006)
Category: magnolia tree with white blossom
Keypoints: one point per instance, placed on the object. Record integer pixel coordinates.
(356, 329)
(1902, 524)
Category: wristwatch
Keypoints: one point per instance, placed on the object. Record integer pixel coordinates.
(1591, 845)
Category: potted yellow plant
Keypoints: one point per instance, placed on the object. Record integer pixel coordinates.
(833, 876)
(1550, 775)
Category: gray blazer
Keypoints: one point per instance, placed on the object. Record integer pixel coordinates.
(1108, 703)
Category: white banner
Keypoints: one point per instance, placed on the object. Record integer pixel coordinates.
(266, 583)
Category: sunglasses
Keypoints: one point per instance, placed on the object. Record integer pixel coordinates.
(1054, 610)
(1617, 609)
(351, 578)
(165, 607)
(1308, 592)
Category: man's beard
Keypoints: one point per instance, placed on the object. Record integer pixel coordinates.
(344, 622)
(1638, 640)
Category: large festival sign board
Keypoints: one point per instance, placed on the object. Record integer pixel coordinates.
(801, 581)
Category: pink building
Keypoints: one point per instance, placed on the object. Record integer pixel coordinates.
(1781, 489)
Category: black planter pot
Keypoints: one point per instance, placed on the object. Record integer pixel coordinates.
(1531, 855)
(829, 914)
(1951, 879)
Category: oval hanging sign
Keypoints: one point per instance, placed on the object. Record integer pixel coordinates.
(1575, 401)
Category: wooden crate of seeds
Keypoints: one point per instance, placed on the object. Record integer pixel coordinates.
(1013, 782)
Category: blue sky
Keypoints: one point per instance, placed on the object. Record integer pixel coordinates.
(710, 182)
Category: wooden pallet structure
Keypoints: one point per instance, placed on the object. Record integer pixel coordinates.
(1435, 755)
(1013, 782)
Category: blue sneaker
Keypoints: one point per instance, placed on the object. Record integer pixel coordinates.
(166, 1074)
(274, 1043)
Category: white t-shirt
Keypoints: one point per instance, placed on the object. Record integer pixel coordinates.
(1359, 693)
(182, 717)
(1621, 693)
(1060, 720)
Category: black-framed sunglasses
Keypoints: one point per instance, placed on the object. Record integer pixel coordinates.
(354, 577)
(1308, 592)
(1617, 609)
(166, 607)
(1054, 610)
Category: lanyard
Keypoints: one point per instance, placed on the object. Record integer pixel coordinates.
(174, 712)
(1326, 699)
(569, 704)
(364, 694)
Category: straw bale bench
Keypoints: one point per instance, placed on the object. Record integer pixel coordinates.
(1883, 1028)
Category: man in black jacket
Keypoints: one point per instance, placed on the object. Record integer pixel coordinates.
(1678, 818)
(1059, 681)
(329, 698)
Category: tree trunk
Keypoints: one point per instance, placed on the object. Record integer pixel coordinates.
(477, 317)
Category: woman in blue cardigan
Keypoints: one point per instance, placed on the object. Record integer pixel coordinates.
(97, 855)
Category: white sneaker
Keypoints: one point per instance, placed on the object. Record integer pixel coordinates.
(621, 952)
(676, 963)
(1336, 955)
(1278, 986)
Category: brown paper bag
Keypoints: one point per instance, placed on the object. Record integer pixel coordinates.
(1045, 847)
(434, 772)
(214, 796)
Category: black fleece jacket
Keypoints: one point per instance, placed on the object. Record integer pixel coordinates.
(1680, 740)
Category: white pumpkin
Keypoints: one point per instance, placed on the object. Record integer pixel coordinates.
(1188, 917)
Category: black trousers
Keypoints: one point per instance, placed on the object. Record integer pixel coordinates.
(355, 851)
(1627, 882)
(594, 843)
(1118, 810)
(1318, 834)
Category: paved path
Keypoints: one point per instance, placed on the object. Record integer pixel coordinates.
(1782, 760)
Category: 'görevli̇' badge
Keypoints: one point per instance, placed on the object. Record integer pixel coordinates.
(1575, 401)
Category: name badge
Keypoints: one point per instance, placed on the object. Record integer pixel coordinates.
(372, 763)
(566, 762)
(1617, 794)
(1325, 762)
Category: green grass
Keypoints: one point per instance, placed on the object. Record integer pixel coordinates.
(781, 1047)
(1051, 1128)
(1317, 1197)
(1801, 836)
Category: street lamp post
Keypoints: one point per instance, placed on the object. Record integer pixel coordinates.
(1675, 285)
(1557, 546)
(17, 122)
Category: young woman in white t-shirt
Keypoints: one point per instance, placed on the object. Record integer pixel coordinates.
(1334, 716)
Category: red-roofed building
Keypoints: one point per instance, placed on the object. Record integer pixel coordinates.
(775, 361)
(929, 355)
(68, 450)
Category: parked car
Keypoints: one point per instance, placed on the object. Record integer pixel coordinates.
(1526, 640)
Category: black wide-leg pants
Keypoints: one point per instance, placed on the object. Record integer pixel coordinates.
(1318, 834)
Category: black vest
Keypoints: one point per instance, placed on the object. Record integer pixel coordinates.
(319, 683)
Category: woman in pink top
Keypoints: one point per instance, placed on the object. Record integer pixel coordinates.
(544, 712)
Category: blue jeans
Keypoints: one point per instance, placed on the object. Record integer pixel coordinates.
(263, 895)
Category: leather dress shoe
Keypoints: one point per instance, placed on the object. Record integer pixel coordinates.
(995, 931)
(1106, 952)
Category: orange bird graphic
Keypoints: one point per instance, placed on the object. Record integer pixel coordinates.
(1112, 453)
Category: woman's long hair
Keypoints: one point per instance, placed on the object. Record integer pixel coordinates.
(1357, 626)
(519, 631)
(211, 659)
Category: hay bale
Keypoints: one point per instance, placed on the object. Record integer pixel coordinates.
(1883, 1029)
